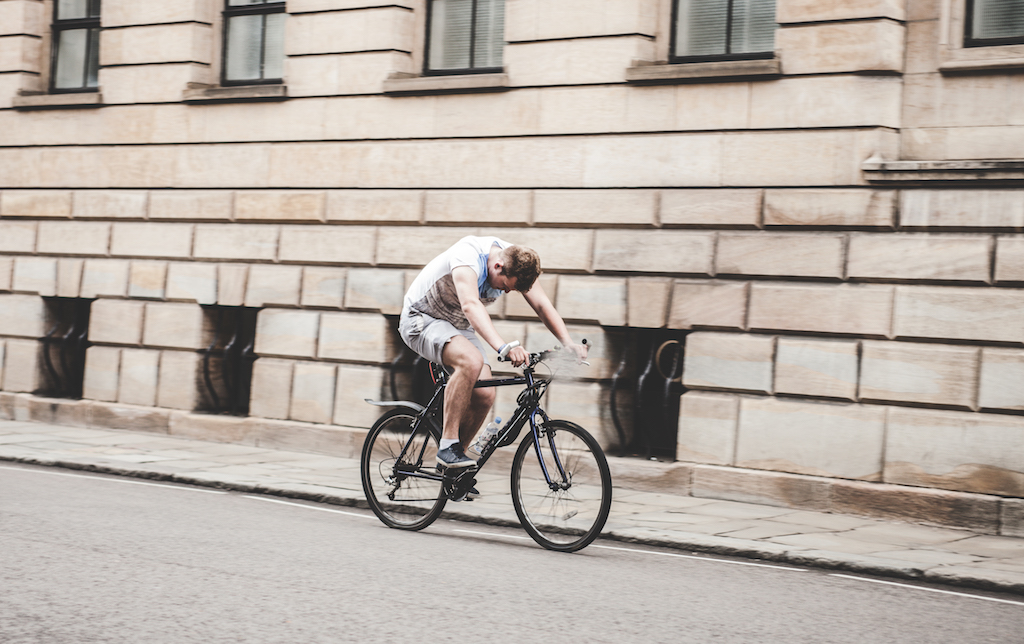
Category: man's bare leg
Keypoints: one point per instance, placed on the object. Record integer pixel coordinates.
(476, 412)
(461, 406)
(466, 363)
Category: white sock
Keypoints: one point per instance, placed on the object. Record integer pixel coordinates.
(447, 442)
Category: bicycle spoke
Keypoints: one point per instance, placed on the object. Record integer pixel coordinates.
(395, 482)
(568, 514)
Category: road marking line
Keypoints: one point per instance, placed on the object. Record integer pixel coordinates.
(931, 590)
(310, 507)
(727, 561)
(116, 480)
(645, 552)
(492, 534)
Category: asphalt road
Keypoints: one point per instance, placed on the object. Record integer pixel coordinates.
(87, 558)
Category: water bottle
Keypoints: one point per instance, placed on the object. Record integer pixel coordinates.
(486, 437)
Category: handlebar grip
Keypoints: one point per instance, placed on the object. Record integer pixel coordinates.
(503, 354)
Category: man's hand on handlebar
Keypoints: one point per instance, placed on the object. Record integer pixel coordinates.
(514, 353)
(518, 356)
(578, 350)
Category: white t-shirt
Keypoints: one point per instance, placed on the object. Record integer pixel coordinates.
(433, 290)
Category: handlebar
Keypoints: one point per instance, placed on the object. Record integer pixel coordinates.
(503, 354)
(534, 357)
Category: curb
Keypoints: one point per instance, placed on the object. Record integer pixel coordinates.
(721, 546)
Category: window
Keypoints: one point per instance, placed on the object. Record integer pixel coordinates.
(723, 30)
(981, 36)
(64, 346)
(465, 36)
(76, 46)
(253, 42)
(645, 393)
(226, 373)
(994, 22)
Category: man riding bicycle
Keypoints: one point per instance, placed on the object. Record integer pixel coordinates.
(443, 314)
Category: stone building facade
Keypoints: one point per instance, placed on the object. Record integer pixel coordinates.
(830, 225)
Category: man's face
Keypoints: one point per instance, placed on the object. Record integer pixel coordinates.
(499, 280)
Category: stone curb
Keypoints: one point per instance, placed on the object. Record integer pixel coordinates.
(721, 546)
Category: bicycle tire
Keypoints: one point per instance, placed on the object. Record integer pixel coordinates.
(571, 517)
(399, 500)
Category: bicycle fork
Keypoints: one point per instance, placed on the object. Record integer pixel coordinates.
(564, 481)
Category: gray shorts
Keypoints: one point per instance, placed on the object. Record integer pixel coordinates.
(428, 336)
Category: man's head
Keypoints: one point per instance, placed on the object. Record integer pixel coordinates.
(522, 264)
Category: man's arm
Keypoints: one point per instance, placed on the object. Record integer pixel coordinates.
(465, 280)
(541, 304)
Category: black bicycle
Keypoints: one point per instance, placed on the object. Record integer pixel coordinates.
(562, 496)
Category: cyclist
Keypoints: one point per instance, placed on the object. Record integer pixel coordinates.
(444, 320)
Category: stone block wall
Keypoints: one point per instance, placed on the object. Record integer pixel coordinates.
(23, 321)
(841, 402)
(151, 277)
(918, 327)
(840, 227)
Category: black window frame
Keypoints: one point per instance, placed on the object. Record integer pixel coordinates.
(428, 71)
(971, 41)
(264, 8)
(90, 23)
(674, 59)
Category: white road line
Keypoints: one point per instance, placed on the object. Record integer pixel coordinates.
(931, 590)
(116, 480)
(645, 552)
(726, 561)
(311, 507)
(492, 534)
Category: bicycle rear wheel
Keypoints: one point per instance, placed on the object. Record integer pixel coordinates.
(404, 494)
(570, 512)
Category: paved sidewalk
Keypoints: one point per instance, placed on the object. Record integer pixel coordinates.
(818, 539)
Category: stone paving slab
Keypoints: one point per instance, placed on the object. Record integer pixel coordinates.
(833, 522)
(768, 530)
(837, 542)
(797, 537)
(1009, 565)
(929, 557)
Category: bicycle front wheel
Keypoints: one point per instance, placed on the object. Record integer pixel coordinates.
(398, 469)
(570, 511)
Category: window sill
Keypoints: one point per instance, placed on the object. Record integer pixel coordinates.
(930, 172)
(765, 69)
(405, 85)
(71, 100)
(981, 59)
(239, 94)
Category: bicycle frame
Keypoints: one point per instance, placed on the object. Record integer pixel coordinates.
(527, 411)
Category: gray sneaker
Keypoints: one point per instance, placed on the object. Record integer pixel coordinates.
(453, 457)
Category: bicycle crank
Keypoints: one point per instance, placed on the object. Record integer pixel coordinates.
(457, 485)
